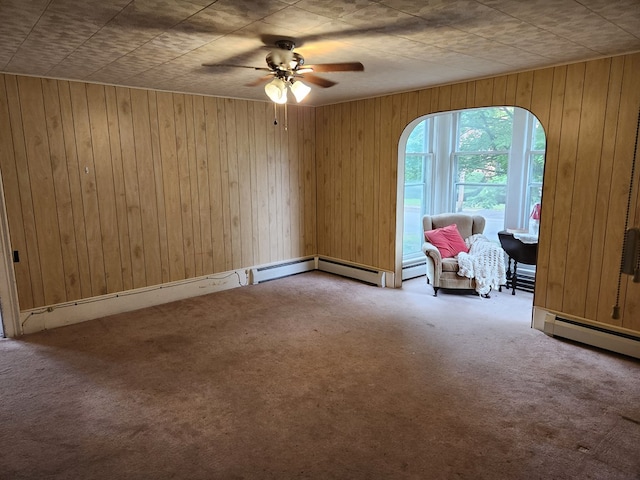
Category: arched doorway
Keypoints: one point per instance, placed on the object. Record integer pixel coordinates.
(486, 161)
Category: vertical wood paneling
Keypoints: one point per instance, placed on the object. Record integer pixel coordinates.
(512, 87)
(484, 92)
(458, 97)
(194, 202)
(369, 136)
(263, 124)
(146, 185)
(119, 190)
(172, 182)
(96, 103)
(88, 185)
(131, 188)
(586, 180)
(603, 192)
(344, 150)
(377, 160)
(41, 178)
(61, 186)
(202, 174)
(546, 88)
(444, 98)
(13, 203)
(184, 185)
(215, 186)
(524, 86)
(550, 179)
(620, 182)
(282, 188)
(336, 177)
(154, 126)
(243, 140)
(253, 166)
(360, 186)
(499, 91)
(309, 137)
(229, 149)
(565, 182)
(296, 179)
(272, 192)
(111, 189)
(75, 188)
(424, 98)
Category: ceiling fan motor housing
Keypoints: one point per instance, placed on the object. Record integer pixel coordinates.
(284, 60)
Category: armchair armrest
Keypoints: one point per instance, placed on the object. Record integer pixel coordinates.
(432, 253)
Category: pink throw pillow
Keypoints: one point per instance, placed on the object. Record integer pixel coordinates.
(448, 240)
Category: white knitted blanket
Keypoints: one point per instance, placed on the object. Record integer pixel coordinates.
(484, 263)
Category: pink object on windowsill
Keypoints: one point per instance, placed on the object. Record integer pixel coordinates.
(535, 213)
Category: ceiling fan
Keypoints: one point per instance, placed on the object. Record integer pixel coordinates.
(286, 70)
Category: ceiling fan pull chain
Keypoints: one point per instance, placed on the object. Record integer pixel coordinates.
(275, 114)
(286, 118)
(615, 314)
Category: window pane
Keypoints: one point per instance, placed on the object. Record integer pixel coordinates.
(539, 138)
(536, 168)
(413, 210)
(413, 168)
(476, 197)
(418, 138)
(535, 196)
(488, 202)
(485, 129)
(489, 168)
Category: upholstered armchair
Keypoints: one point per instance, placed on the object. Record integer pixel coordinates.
(442, 272)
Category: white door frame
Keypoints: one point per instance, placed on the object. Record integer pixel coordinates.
(9, 306)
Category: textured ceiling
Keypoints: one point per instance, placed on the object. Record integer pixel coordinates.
(403, 44)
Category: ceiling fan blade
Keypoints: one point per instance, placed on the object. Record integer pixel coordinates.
(259, 81)
(227, 65)
(336, 67)
(316, 80)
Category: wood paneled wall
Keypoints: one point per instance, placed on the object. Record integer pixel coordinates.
(109, 189)
(589, 112)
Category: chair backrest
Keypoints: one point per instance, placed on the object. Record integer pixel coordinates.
(467, 224)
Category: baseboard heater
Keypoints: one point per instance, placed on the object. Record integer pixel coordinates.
(357, 272)
(414, 270)
(526, 282)
(280, 270)
(617, 340)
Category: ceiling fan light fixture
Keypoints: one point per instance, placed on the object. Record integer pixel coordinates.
(300, 90)
(276, 90)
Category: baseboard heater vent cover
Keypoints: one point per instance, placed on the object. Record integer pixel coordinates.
(280, 270)
(616, 340)
(414, 270)
(357, 272)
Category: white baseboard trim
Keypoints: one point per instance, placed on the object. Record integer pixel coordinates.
(601, 335)
(63, 314)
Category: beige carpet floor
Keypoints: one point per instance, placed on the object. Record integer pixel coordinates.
(316, 376)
